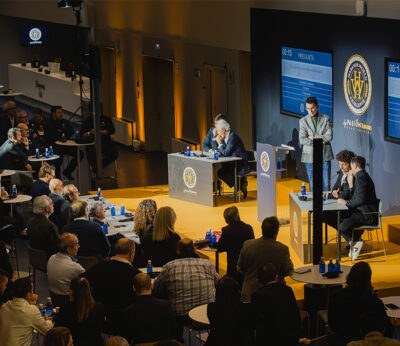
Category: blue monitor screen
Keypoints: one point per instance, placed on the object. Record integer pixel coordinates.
(305, 73)
(34, 36)
(393, 101)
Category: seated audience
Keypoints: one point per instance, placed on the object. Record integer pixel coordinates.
(62, 206)
(58, 336)
(62, 267)
(20, 316)
(97, 213)
(56, 187)
(159, 243)
(256, 252)
(92, 240)
(276, 316)
(25, 143)
(4, 277)
(112, 281)
(187, 282)
(84, 317)
(41, 186)
(36, 126)
(9, 225)
(228, 316)
(7, 119)
(22, 117)
(116, 341)
(148, 319)
(232, 239)
(11, 156)
(348, 304)
(42, 233)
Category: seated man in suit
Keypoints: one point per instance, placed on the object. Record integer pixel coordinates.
(210, 143)
(62, 206)
(148, 319)
(230, 144)
(361, 203)
(11, 156)
(41, 186)
(56, 187)
(92, 239)
(42, 233)
(7, 119)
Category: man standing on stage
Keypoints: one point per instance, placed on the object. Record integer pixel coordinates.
(316, 125)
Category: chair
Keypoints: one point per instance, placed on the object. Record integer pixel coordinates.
(252, 162)
(322, 315)
(87, 262)
(371, 228)
(38, 261)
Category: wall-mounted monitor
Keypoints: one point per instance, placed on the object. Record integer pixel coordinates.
(306, 73)
(392, 104)
(34, 36)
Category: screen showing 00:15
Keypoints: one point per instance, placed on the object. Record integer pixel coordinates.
(393, 100)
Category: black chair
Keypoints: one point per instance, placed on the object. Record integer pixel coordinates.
(38, 261)
(10, 238)
(87, 262)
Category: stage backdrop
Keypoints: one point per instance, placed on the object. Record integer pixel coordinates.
(373, 40)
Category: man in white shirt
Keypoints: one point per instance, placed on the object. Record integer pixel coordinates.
(20, 316)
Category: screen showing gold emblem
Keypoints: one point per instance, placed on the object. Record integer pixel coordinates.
(357, 84)
(189, 177)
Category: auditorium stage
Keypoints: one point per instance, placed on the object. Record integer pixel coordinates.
(193, 221)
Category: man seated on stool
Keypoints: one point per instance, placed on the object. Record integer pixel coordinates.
(210, 144)
(41, 186)
(361, 203)
(7, 119)
(230, 144)
(56, 187)
(25, 144)
(11, 156)
(61, 207)
(22, 117)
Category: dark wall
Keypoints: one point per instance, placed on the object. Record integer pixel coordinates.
(373, 39)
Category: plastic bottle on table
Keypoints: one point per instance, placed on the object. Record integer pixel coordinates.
(122, 209)
(331, 266)
(149, 267)
(188, 151)
(303, 189)
(322, 267)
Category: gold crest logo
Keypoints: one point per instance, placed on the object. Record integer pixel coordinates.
(189, 177)
(264, 160)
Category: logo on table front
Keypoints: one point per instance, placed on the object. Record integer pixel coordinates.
(264, 161)
(35, 34)
(357, 84)
(295, 227)
(189, 177)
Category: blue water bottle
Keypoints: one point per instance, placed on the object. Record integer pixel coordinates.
(278, 164)
(51, 152)
(213, 238)
(112, 211)
(322, 267)
(46, 153)
(331, 266)
(149, 267)
(216, 155)
(337, 265)
(188, 151)
(37, 154)
(14, 191)
(49, 307)
(122, 209)
(41, 309)
(208, 234)
(303, 189)
(105, 228)
(99, 194)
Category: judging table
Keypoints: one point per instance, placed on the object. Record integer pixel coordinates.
(314, 276)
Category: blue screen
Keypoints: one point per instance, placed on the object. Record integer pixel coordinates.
(34, 36)
(306, 73)
(393, 100)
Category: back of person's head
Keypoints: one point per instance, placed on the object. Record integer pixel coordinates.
(22, 287)
(81, 298)
(68, 191)
(231, 215)
(78, 208)
(94, 208)
(266, 273)
(116, 341)
(223, 125)
(345, 156)
(53, 109)
(37, 111)
(227, 295)
(270, 227)
(144, 214)
(8, 105)
(359, 161)
(142, 283)
(65, 242)
(359, 278)
(371, 321)
(164, 222)
(185, 248)
(58, 336)
(40, 204)
(4, 277)
(312, 100)
(12, 132)
(219, 117)
(22, 126)
(56, 185)
(46, 169)
(124, 246)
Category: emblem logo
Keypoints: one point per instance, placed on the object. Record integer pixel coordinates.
(35, 34)
(357, 84)
(265, 162)
(189, 177)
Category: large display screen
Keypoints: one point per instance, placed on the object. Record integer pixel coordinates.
(392, 116)
(306, 73)
(33, 36)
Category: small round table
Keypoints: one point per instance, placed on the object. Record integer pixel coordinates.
(42, 158)
(199, 314)
(314, 277)
(19, 199)
(7, 172)
(394, 313)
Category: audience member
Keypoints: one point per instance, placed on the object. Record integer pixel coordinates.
(7, 119)
(348, 304)
(56, 187)
(187, 282)
(62, 206)
(36, 124)
(41, 186)
(84, 317)
(22, 117)
(8, 225)
(4, 277)
(59, 129)
(116, 341)
(232, 238)
(25, 143)
(5, 260)
(97, 213)
(148, 319)
(58, 336)
(228, 316)
(256, 252)
(92, 240)
(62, 267)
(112, 281)
(159, 243)
(42, 233)
(276, 316)
(20, 316)
(11, 155)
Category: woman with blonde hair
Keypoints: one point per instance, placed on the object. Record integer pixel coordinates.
(144, 216)
(159, 245)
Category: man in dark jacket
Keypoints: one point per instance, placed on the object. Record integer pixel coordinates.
(210, 143)
(41, 186)
(11, 156)
(7, 119)
(62, 206)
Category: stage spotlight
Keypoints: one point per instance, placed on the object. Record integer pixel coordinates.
(69, 3)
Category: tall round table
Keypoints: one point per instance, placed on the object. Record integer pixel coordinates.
(199, 314)
(7, 172)
(314, 277)
(42, 158)
(394, 313)
(19, 199)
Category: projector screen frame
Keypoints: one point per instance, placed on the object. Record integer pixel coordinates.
(386, 115)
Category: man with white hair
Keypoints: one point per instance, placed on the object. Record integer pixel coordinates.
(230, 144)
(7, 119)
(43, 233)
(56, 187)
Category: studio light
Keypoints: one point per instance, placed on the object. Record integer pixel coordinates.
(69, 3)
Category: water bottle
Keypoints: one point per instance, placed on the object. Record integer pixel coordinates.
(46, 153)
(331, 266)
(105, 228)
(14, 191)
(122, 209)
(41, 309)
(49, 307)
(99, 194)
(37, 154)
(149, 267)
(213, 238)
(216, 155)
(337, 265)
(278, 164)
(51, 152)
(303, 189)
(208, 234)
(322, 267)
(188, 151)
(112, 211)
